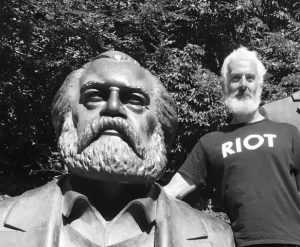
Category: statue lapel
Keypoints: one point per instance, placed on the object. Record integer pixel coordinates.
(172, 225)
(36, 216)
(163, 231)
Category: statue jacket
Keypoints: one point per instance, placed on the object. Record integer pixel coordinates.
(286, 110)
(34, 219)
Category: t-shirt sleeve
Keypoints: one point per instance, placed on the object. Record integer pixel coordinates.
(194, 166)
(296, 150)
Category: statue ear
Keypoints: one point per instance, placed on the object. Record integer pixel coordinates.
(166, 110)
(61, 103)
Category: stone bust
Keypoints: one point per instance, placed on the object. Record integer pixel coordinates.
(286, 110)
(115, 123)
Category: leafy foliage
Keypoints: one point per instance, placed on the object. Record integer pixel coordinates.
(183, 42)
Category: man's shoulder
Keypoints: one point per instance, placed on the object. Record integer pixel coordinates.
(284, 126)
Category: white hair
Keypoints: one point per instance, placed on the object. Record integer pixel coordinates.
(245, 54)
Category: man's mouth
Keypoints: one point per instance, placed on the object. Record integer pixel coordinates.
(242, 96)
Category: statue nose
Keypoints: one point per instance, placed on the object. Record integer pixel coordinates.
(114, 106)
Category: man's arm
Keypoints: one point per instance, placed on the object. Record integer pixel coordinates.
(180, 186)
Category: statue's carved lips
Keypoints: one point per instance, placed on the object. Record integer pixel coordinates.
(110, 132)
(112, 126)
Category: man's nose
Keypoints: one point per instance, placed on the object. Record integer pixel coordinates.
(243, 83)
(113, 106)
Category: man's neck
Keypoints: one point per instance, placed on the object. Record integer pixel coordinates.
(109, 198)
(246, 118)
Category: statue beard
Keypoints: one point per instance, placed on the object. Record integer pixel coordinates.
(244, 104)
(124, 159)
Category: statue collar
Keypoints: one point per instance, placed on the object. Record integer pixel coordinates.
(70, 197)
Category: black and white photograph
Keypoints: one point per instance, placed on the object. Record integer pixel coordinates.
(151, 123)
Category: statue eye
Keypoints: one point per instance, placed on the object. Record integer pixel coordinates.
(135, 99)
(91, 98)
(94, 95)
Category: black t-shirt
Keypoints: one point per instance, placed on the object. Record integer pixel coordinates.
(253, 167)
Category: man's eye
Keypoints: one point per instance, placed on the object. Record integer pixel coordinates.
(250, 78)
(135, 99)
(236, 78)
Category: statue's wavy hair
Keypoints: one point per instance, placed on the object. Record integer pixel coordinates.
(165, 106)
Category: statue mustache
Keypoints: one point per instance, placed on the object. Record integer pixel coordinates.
(94, 130)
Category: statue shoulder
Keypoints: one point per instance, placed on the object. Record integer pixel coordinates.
(30, 210)
(218, 232)
(28, 197)
(279, 103)
(5, 206)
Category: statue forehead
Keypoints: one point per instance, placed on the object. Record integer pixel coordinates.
(109, 71)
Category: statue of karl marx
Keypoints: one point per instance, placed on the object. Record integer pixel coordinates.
(115, 123)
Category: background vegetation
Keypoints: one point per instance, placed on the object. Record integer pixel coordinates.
(183, 42)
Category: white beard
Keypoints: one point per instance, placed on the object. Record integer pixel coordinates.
(109, 158)
(246, 105)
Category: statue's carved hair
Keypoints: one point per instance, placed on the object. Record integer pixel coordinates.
(166, 110)
(165, 106)
(242, 53)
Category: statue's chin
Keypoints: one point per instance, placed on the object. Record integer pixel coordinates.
(116, 177)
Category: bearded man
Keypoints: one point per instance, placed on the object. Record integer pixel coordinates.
(253, 163)
(115, 123)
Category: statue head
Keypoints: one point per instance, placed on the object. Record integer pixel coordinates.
(242, 74)
(115, 121)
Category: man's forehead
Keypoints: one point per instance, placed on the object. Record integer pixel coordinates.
(242, 65)
(110, 71)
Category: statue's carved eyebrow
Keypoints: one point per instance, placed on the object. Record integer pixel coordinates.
(101, 85)
(90, 84)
